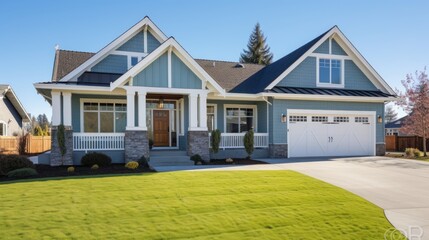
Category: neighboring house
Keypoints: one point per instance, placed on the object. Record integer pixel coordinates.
(13, 117)
(394, 127)
(323, 99)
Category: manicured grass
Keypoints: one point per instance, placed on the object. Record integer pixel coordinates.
(184, 205)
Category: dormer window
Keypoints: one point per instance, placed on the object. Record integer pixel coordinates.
(330, 73)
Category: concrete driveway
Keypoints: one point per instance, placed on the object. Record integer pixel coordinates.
(400, 187)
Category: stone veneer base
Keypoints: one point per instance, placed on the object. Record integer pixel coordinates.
(136, 145)
(198, 143)
(56, 158)
(278, 150)
(380, 149)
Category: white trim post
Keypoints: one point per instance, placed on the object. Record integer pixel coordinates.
(67, 110)
(56, 108)
(169, 67)
(203, 111)
(193, 111)
(145, 39)
(130, 110)
(142, 110)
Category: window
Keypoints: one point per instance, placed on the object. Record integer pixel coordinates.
(361, 119)
(134, 61)
(341, 119)
(3, 128)
(298, 119)
(330, 71)
(104, 117)
(319, 118)
(239, 119)
(211, 117)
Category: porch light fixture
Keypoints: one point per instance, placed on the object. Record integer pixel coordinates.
(379, 119)
(161, 103)
(283, 118)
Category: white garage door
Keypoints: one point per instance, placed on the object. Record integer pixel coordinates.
(333, 133)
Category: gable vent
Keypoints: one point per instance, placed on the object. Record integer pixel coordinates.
(239, 65)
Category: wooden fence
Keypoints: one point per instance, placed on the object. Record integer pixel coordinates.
(35, 144)
(400, 143)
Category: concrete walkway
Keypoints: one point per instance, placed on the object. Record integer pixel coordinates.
(400, 187)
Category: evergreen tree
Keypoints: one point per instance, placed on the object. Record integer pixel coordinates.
(389, 114)
(257, 49)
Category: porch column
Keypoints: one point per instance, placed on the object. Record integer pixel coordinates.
(203, 111)
(193, 111)
(56, 108)
(142, 110)
(67, 121)
(130, 109)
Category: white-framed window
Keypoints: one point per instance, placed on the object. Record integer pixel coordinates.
(319, 118)
(133, 60)
(295, 118)
(3, 128)
(330, 72)
(211, 117)
(361, 119)
(103, 116)
(240, 118)
(341, 119)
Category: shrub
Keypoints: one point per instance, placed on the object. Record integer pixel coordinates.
(132, 165)
(248, 142)
(229, 160)
(22, 172)
(197, 159)
(418, 153)
(413, 152)
(61, 141)
(11, 162)
(95, 167)
(70, 169)
(216, 136)
(96, 158)
(143, 161)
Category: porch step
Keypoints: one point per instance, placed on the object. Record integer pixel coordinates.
(160, 158)
(174, 153)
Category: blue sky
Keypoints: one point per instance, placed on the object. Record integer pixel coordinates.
(391, 35)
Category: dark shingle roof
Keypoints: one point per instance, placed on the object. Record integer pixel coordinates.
(329, 91)
(396, 124)
(66, 61)
(260, 80)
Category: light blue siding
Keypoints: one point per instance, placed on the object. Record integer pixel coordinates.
(152, 43)
(355, 78)
(136, 43)
(336, 49)
(304, 75)
(323, 48)
(76, 107)
(117, 156)
(278, 130)
(154, 75)
(112, 64)
(261, 113)
(182, 76)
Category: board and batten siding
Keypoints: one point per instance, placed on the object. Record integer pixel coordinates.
(182, 76)
(154, 75)
(112, 64)
(278, 130)
(136, 43)
(261, 113)
(336, 49)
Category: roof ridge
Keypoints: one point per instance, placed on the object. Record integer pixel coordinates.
(64, 50)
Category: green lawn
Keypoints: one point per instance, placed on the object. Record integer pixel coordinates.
(187, 205)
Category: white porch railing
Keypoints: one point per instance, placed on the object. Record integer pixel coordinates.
(235, 140)
(98, 141)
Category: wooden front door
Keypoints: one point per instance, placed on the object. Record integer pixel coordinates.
(161, 119)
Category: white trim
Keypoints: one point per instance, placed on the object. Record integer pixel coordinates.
(115, 44)
(182, 117)
(255, 114)
(131, 125)
(193, 111)
(67, 109)
(181, 53)
(56, 108)
(142, 110)
(182, 91)
(360, 61)
(202, 110)
(330, 85)
(97, 100)
(98, 141)
(328, 98)
(145, 39)
(128, 53)
(169, 67)
(5, 129)
(214, 105)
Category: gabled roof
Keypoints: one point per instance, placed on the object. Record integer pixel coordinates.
(67, 61)
(397, 123)
(260, 80)
(113, 45)
(7, 91)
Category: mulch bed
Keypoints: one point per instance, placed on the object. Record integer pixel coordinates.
(46, 171)
(237, 161)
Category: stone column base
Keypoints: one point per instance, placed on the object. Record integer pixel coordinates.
(380, 149)
(56, 158)
(278, 150)
(198, 143)
(136, 145)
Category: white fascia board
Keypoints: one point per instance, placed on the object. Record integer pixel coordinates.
(18, 105)
(302, 58)
(237, 96)
(79, 89)
(336, 34)
(328, 98)
(161, 90)
(113, 45)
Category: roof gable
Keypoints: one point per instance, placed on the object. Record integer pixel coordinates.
(129, 34)
(7, 91)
